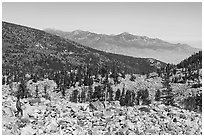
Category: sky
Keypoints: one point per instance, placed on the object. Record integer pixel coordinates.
(172, 22)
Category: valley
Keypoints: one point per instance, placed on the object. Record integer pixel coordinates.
(68, 88)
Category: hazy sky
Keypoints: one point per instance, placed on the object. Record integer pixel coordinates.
(179, 22)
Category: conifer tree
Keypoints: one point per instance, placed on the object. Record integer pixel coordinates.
(157, 95)
(83, 95)
(128, 98)
(169, 100)
(122, 98)
(117, 95)
(36, 91)
(133, 98)
(74, 97)
(110, 93)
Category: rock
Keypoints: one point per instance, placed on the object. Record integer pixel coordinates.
(119, 133)
(97, 105)
(25, 120)
(75, 109)
(35, 100)
(95, 131)
(131, 133)
(78, 131)
(108, 114)
(52, 126)
(8, 112)
(107, 133)
(130, 125)
(124, 130)
(40, 131)
(27, 130)
(6, 132)
(46, 102)
(144, 109)
(42, 99)
(174, 120)
(84, 107)
(115, 104)
(122, 118)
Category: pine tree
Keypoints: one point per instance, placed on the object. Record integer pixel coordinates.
(74, 97)
(89, 94)
(63, 90)
(132, 78)
(110, 93)
(3, 80)
(157, 95)
(145, 94)
(97, 93)
(142, 95)
(117, 95)
(123, 74)
(133, 98)
(83, 95)
(128, 98)
(169, 99)
(36, 91)
(122, 98)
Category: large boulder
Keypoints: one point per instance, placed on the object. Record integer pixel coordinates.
(27, 130)
(97, 105)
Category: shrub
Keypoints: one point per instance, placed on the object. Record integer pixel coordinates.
(194, 103)
(97, 93)
(132, 78)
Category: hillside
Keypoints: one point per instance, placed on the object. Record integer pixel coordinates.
(29, 49)
(129, 44)
(194, 61)
(55, 86)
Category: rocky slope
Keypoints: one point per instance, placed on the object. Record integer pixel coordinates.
(59, 116)
(129, 44)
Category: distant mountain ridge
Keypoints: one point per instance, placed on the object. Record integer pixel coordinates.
(131, 45)
(28, 49)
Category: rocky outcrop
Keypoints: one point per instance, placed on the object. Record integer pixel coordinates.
(58, 116)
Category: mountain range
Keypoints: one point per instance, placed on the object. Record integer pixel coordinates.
(131, 45)
(28, 49)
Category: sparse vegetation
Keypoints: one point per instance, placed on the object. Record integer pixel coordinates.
(109, 83)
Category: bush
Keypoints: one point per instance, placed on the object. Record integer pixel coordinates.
(97, 93)
(132, 78)
(196, 85)
(194, 103)
(143, 94)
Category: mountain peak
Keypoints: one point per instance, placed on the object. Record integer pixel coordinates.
(141, 46)
(75, 32)
(125, 33)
